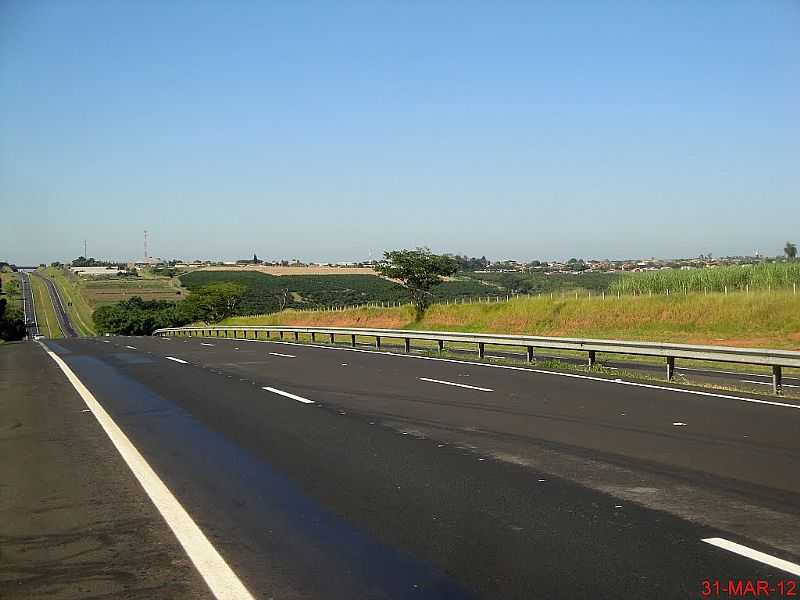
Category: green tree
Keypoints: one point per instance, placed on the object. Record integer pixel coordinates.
(419, 270)
(213, 302)
(790, 250)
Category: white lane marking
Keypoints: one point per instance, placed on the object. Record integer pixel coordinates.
(284, 355)
(204, 344)
(767, 559)
(106, 341)
(131, 347)
(768, 383)
(219, 577)
(461, 385)
(676, 390)
(679, 424)
(177, 360)
(288, 395)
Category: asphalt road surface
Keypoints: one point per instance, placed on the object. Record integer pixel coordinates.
(29, 307)
(58, 305)
(336, 473)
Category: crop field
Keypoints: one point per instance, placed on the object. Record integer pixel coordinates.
(114, 289)
(735, 278)
(265, 292)
(290, 270)
(540, 283)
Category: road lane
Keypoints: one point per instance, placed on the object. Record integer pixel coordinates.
(74, 523)
(442, 507)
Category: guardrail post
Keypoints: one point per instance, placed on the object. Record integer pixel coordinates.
(530, 354)
(296, 336)
(333, 338)
(281, 334)
(670, 368)
(441, 346)
(407, 344)
(377, 342)
(777, 385)
(481, 349)
(592, 358)
(353, 340)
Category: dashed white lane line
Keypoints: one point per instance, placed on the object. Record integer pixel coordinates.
(220, 578)
(767, 559)
(177, 360)
(288, 395)
(204, 344)
(106, 341)
(768, 383)
(461, 385)
(131, 347)
(284, 355)
(675, 390)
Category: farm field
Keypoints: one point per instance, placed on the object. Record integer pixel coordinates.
(98, 292)
(278, 271)
(266, 293)
(767, 320)
(765, 276)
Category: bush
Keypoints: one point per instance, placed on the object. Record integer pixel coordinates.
(137, 317)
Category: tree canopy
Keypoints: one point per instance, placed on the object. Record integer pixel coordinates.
(420, 270)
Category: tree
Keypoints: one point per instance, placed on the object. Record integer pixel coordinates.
(790, 250)
(212, 303)
(419, 270)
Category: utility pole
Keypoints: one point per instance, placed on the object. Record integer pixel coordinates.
(85, 253)
(145, 245)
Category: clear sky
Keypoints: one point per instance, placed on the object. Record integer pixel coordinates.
(326, 130)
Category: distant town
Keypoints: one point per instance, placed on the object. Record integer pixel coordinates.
(573, 266)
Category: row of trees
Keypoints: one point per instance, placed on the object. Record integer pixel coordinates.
(136, 316)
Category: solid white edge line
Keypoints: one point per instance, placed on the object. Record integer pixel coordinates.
(542, 371)
(284, 355)
(767, 559)
(767, 383)
(461, 385)
(219, 577)
(288, 395)
(177, 360)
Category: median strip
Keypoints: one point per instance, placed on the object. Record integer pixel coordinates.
(461, 385)
(288, 395)
(177, 360)
(767, 559)
(768, 383)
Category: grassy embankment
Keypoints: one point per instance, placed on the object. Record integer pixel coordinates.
(80, 313)
(11, 290)
(45, 313)
(761, 319)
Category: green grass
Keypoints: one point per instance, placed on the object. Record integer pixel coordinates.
(45, 313)
(80, 313)
(758, 319)
(11, 290)
(761, 277)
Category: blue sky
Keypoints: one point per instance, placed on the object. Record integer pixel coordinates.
(326, 130)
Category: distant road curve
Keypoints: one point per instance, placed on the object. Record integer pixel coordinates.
(61, 313)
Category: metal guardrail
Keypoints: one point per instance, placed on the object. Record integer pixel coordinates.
(777, 359)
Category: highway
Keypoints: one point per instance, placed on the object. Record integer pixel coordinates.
(58, 305)
(320, 472)
(29, 307)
